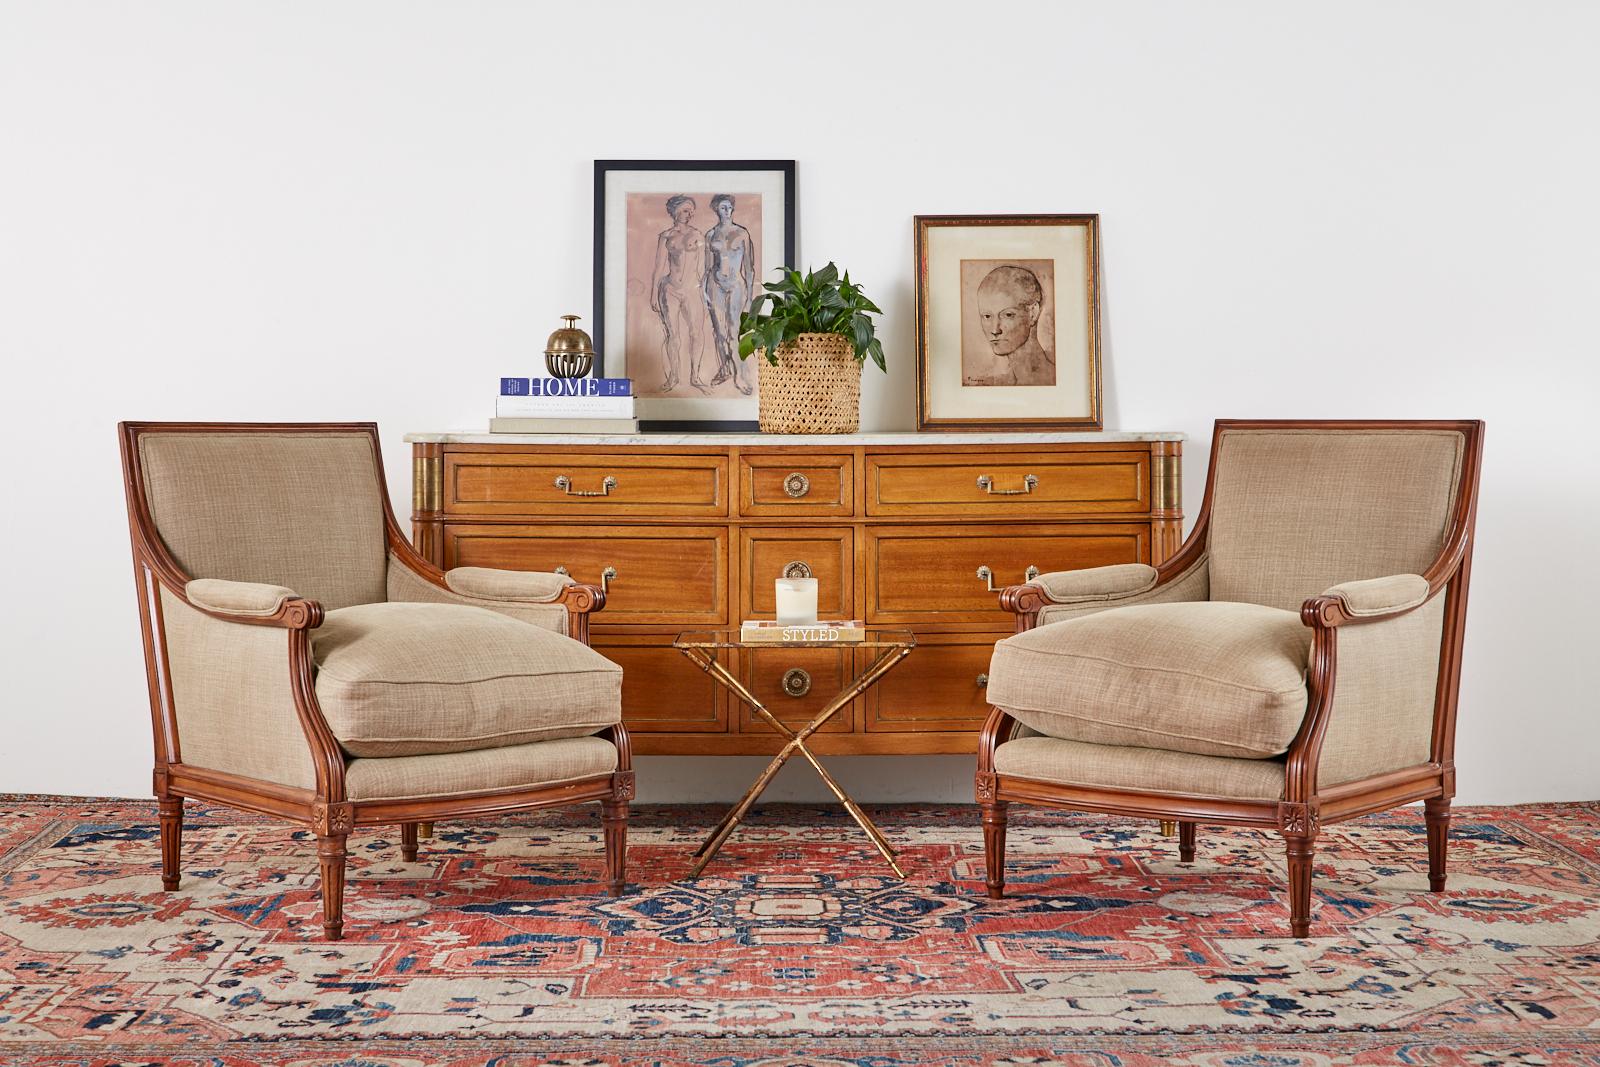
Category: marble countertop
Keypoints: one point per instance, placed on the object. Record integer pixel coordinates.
(1020, 437)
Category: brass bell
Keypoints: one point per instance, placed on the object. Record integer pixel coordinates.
(570, 352)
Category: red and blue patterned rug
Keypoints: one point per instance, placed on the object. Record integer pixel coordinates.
(798, 947)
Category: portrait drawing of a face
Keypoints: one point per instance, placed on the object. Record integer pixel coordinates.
(1007, 322)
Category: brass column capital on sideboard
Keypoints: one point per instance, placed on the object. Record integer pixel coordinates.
(900, 529)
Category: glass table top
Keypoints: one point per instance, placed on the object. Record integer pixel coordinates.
(875, 637)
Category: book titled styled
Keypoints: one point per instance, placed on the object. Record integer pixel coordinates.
(823, 631)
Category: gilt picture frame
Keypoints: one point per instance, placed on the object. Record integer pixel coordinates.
(1008, 322)
(681, 247)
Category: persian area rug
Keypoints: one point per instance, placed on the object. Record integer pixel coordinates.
(798, 947)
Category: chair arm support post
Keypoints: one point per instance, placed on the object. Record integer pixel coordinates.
(327, 758)
(1305, 751)
(997, 730)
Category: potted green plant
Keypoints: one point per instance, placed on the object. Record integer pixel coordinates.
(814, 334)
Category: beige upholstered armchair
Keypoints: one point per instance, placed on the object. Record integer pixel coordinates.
(303, 661)
(1295, 664)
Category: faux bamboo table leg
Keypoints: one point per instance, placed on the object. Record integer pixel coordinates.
(796, 742)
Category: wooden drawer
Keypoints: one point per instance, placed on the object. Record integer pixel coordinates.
(663, 574)
(1042, 484)
(767, 554)
(822, 672)
(921, 574)
(783, 484)
(500, 483)
(940, 686)
(662, 691)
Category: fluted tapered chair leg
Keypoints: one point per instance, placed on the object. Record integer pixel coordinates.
(1436, 812)
(994, 848)
(1186, 836)
(331, 860)
(614, 819)
(1302, 850)
(170, 812)
(408, 842)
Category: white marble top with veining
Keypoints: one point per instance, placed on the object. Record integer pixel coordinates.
(1021, 437)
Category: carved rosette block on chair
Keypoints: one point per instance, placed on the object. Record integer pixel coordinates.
(1297, 663)
(304, 662)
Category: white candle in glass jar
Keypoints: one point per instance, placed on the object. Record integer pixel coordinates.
(797, 601)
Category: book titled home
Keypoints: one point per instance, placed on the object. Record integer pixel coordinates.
(566, 386)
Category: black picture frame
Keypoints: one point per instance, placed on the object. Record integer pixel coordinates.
(790, 256)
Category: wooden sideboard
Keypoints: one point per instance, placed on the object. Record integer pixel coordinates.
(689, 531)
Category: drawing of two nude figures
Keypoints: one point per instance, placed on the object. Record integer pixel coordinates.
(688, 283)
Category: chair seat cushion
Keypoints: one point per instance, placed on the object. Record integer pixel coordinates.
(1147, 770)
(1211, 678)
(421, 679)
(453, 773)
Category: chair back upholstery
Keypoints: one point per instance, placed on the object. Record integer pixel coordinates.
(301, 507)
(1296, 509)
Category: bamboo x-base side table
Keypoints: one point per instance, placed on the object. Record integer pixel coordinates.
(702, 646)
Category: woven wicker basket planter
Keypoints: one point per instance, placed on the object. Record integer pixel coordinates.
(815, 388)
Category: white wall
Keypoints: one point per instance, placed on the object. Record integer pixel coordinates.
(370, 210)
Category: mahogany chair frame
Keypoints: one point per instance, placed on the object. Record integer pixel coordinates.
(325, 810)
(1306, 805)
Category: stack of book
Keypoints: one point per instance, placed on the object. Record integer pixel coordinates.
(564, 405)
(825, 631)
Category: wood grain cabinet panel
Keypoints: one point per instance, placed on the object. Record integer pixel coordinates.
(796, 684)
(796, 485)
(772, 552)
(893, 528)
(661, 574)
(1007, 485)
(944, 689)
(662, 692)
(923, 574)
(499, 483)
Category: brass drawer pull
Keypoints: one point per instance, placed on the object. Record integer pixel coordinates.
(607, 484)
(796, 682)
(797, 485)
(986, 483)
(797, 569)
(983, 681)
(607, 575)
(987, 576)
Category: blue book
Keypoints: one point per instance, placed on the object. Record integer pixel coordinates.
(566, 387)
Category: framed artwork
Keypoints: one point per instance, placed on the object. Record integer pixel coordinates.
(1008, 322)
(681, 247)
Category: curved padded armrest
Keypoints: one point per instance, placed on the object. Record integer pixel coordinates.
(1381, 596)
(488, 583)
(237, 598)
(1097, 583)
